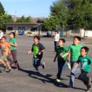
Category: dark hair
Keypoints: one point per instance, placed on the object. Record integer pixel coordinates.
(13, 33)
(62, 40)
(77, 37)
(85, 48)
(37, 37)
(57, 31)
(4, 37)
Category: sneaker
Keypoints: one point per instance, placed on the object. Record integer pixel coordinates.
(71, 84)
(88, 90)
(17, 65)
(0, 71)
(58, 80)
(7, 70)
(43, 66)
(36, 68)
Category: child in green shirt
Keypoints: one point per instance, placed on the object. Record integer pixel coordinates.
(85, 63)
(74, 54)
(61, 55)
(13, 44)
(75, 50)
(37, 50)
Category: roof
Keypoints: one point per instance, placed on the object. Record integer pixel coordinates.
(21, 23)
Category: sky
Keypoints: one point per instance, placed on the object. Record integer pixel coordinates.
(34, 8)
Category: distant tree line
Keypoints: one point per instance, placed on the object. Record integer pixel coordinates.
(6, 18)
(70, 14)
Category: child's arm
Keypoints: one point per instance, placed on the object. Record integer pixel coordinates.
(69, 56)
(89, 61)
(30, 51)
(15, 45)
(42, 49)
(65, 55)
(55, 58)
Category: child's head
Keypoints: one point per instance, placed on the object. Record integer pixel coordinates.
(76, 40)
(56, 32)
(84, 51)
(12, 35)
(3, 39)
(36, 39)
(61, 42)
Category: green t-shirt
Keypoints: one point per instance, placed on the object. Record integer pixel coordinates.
(36, 49)
(85, 63)
(61, 50)
(75, 52)
(13, 41)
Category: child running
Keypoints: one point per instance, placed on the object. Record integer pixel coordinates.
(61, 55)
(13, 44)
(37, 49)
(5, 51)
(74, 55)
(85, 62)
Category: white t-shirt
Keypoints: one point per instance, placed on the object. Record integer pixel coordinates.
(1, 34)
(82, 32)
(56, 37)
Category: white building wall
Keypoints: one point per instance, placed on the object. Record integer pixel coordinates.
(88, 33)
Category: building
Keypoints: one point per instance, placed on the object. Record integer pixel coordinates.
(21, 28)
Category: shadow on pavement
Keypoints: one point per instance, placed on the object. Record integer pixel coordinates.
(44, 78)
(77, 88)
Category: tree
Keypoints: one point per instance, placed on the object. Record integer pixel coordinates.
(58, 17)
(80, 13)
(72, 14)
(2, 11)
(24, 20)
(52, 23)
(4, 20)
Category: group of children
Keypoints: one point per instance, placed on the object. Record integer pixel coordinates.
(9, 52)
(75, 54)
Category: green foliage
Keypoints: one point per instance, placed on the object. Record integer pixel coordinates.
(80, 13)
(5, 19)
(1, 9)
(24, 20)
(52, 23)
(59, 16)
(73, 14)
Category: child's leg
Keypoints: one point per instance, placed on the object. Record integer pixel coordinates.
(8, 65)
(35, 63)
(3, 63)
(86, 79)
(73, 75)
(72, 64)
(14, 55)
(9, 59)
(72, 79)
(38, 63)
(60, 68)
(41, 63)
(55, 45)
